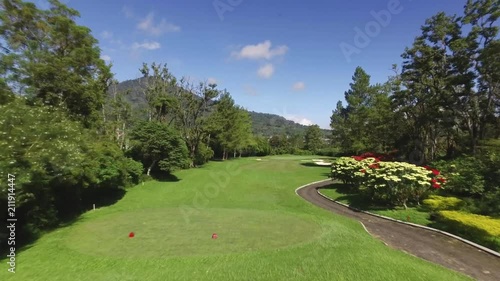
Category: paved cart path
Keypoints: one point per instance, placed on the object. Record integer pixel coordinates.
(426, 244)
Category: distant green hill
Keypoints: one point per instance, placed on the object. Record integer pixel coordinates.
(264, 124)
(271, 124)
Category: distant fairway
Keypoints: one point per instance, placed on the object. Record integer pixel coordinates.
(265, 232)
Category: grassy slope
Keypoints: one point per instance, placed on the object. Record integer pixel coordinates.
(292, 239)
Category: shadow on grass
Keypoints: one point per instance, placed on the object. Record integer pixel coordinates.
(350, 196)
(26, 237)
(163, 177)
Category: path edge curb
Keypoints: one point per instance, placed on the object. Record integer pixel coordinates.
(482, 248)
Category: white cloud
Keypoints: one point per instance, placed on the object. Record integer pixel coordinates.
(299, 86)
(260, 51)
(211, 80)
(127, 11)
(146, 45)
(266, 71)
(249, 90)
(148, 25)
(298, 119)
(105, 58)
(106, 34)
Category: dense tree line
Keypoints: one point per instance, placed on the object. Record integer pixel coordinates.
(72, 138)
(53, 87)
(443, 104)
(444, 100)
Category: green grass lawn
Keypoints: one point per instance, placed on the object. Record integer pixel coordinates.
(265, 232)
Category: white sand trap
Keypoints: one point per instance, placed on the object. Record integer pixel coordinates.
(321, 162)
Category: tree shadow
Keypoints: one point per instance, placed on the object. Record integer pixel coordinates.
(164, 177)
(353, 198)
(101, 197)
(90, 197)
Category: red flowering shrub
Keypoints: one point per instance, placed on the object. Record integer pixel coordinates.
(392, 182)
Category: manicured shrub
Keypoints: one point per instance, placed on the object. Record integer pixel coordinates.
(436, 202)
(481, 229)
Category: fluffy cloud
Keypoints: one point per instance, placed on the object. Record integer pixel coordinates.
(106, 34)
(146, 45)
(149, 26)
(299, 86)
(211, 80)
(266, 71)
(127, 11)
(106, 58)
(298, 119)
(249, 90)
(262, 50)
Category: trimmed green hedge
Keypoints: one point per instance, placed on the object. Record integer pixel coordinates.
(484, 230)
(436, 202)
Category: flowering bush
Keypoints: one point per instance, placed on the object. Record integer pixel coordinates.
(351, 171)
(393, 182)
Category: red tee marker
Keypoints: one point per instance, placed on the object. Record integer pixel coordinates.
(214, 236)
(131, 235)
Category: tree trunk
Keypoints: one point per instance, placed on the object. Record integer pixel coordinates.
(193, 154)
(123, 136)
(103, 113)
(234, 153)
(150, 167)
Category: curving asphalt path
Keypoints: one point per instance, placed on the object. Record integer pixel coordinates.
(426, 244)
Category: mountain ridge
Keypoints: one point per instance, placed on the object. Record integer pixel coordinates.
(264, 124)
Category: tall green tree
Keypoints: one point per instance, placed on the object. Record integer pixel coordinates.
(313, 138)
(350, 124)
(53, 59)
(231, 127)
(193, 108)
(338, 125)
(118, 116)
(158, 87)
(158, 145)
(427, 97)
(242, 138)
(223, 123)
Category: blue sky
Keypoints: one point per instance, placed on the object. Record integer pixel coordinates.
(292, 58)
